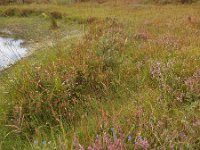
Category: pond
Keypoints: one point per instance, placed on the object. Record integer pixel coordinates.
(11, 50)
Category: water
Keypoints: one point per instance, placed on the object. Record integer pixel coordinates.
(11, 50)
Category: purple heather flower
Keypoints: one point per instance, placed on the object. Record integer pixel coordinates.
(129, 138)
(141, 143)
(97, 136)
(139, 137)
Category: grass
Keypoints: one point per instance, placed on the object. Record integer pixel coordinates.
(131, 82)
(42, 27)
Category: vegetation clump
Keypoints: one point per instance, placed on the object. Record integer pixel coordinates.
(60, 88)
(130, 81)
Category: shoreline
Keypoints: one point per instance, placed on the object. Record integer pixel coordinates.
(32, 46)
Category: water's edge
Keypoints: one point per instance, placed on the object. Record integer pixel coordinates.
(11, 50)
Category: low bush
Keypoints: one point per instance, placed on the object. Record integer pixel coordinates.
(61, 90)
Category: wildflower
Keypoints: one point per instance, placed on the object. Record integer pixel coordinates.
(36, 142)
(129, 138)
(193, 82)
(98, 140)
(169, 42)
(106, 139)
(114, 133)
(180, 97)
(142, 36)
(113, 129)
(81, 147)
(141, 143)
(182, 136)
(156, 70)
(75, 143)
(97, 136)
(49, 142)
(172, 147)
(44, 142)
(196, 123)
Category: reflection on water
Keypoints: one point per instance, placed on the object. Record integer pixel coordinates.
(10, 51)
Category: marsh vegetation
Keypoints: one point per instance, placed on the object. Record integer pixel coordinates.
(102, 75)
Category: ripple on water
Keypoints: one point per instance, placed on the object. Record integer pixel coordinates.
(11, 50)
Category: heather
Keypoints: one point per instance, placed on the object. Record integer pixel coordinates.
(103, 75)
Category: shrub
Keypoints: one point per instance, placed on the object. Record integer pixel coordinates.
(54, 24)
(61, 90)
(172, 86)
(114, 140)
(56, 15)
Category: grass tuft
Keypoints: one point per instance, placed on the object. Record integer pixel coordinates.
(130, 82)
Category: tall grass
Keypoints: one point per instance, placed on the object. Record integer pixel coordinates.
(131, 82)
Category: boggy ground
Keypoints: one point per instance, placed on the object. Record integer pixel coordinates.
(131, 82)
